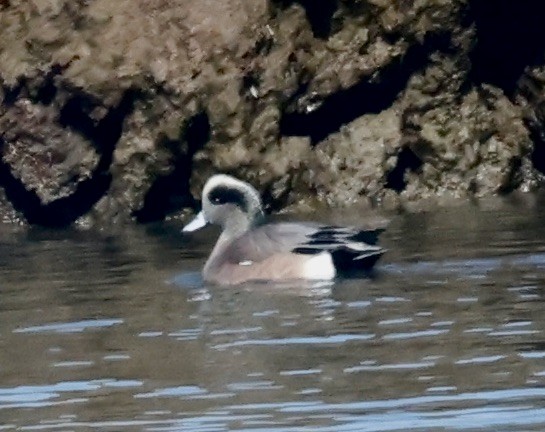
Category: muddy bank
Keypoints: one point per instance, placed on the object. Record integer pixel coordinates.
(120, 110)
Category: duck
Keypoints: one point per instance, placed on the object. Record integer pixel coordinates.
(250, 249)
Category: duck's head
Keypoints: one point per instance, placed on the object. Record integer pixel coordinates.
(228, 202)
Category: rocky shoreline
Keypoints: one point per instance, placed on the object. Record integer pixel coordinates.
(119, 111)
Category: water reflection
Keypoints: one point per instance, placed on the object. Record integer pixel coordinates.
(118, 332)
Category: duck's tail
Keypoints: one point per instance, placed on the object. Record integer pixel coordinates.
(349, 259)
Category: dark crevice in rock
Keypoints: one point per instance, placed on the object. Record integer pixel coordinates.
(538, 154)
(249, 81)
(197, 132)
(366, 97)
(272, 200)
(41, 89)
(407, 160)
(64, 211)
(46, 90)
(75, 114)
(319, 14)
(59, 213)
(511, 183)
(108, 130)
(170, 193)
(11, 94)
(263, 45)
(510, 37)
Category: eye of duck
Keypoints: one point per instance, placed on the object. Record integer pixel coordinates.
(226, 195)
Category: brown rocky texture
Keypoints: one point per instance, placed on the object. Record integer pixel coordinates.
(471, 142)
(531, 96)
(51, 160)
(345, 101)
(369, 141)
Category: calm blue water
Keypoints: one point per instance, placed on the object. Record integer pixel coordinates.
(117, 332)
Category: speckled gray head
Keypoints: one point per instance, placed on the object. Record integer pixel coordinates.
(228, 202)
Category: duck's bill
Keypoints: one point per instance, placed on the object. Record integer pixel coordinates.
(197, 223)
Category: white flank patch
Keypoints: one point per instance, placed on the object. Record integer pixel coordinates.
(245, 263)
(319, 267)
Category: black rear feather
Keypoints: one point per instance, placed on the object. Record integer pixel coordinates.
(351, 250)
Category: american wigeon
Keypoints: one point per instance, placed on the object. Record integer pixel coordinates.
(249, 249)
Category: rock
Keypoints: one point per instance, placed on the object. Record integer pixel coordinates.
(531, 97)
(45, 158)
(351, 165)
(131, 105)
(465, 143)
(8, 214)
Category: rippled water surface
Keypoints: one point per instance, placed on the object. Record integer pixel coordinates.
(117, 332)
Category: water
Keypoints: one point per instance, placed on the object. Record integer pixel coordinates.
(117, 332)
